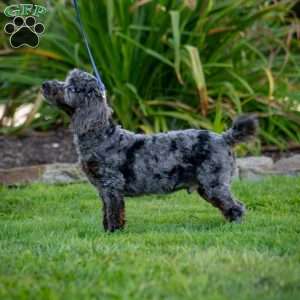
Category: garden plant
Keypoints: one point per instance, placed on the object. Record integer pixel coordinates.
(168, 64)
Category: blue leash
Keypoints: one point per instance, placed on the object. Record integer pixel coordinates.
(98, 78)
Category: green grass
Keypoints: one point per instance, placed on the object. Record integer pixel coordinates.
(174, 247)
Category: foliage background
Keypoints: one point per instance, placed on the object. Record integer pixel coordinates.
(167, 64)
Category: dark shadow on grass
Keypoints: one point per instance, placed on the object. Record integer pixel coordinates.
(191, 225)
(135, 227)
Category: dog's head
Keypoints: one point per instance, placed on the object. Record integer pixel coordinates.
(73, 93)
(80, 97)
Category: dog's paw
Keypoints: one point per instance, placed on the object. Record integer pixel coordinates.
(113, 226)
(24, 32)
(235, 213)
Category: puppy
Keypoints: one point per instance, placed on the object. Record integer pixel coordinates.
(121, 163)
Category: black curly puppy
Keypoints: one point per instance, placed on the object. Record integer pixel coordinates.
(121, 163)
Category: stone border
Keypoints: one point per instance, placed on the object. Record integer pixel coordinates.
(59, 173)
(256, 167)
(252, 168)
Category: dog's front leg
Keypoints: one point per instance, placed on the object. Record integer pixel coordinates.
(104, 216)
(113, 209)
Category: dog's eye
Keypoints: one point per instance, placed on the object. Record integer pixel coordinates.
(71, 89)
(75, 89)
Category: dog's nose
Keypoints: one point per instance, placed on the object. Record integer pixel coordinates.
(46, 86)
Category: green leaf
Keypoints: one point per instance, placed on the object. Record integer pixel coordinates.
(175, 22)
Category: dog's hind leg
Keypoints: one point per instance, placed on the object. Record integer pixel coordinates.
(113, 209)
(219, 195)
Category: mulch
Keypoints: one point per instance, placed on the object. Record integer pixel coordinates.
(37, 148)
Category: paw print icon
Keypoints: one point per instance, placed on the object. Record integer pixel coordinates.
(24, 32)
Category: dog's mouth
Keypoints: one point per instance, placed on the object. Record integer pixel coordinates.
(53, 97)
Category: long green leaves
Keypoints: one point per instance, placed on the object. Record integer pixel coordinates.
(198, 76)
(172, 64)
(175, 19)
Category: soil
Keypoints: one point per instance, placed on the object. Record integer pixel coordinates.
(37, 148)
(57, 146)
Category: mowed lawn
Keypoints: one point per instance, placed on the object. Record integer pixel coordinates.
(52, 245)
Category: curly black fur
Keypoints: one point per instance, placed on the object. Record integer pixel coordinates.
(120, 163)
(243, 128)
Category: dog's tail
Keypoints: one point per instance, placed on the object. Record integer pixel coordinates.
(243, 128)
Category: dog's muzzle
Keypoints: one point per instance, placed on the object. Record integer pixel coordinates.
(46, 87)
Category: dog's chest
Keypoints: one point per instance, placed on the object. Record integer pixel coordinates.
(91, 168)
(87, 158)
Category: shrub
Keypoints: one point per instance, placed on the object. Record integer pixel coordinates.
(173, 64)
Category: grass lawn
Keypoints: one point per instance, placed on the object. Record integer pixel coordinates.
(174, 247)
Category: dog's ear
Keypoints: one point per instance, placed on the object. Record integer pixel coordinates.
(95, 114)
